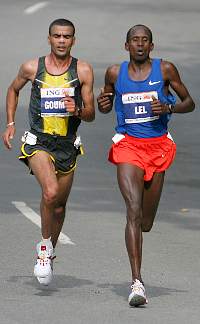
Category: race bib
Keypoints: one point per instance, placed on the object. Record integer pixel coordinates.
(51, 104)
(137, 107)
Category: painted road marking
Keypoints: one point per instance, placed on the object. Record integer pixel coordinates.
(37, 6)
(35, 218)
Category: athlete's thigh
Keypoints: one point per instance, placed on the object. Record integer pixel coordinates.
(151, 197)
(65, 182)
(43, 168)
(131, 181)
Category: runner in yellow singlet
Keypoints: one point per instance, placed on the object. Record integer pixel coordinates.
(61, 97)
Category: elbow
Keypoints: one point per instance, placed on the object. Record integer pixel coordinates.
(88, 117)
(92, 118)
(191, 106)
(104, 110)
(12, 91)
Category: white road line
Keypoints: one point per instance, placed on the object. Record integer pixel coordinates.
(35, 218)
(37, 6)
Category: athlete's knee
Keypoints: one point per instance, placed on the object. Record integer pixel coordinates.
(148, 220)
(50, 194)
(134, 213)
(146, 227)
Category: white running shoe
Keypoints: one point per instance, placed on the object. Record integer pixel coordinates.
(45, 281)
(137, 296)
(43, 269)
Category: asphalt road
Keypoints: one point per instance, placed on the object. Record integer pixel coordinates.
(92, 277)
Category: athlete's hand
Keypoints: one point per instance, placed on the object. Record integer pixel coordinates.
(105, 101)
(69, 103)
(8, 135)
(158, 108)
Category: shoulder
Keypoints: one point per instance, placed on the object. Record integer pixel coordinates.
(169, 70)
(84, 70)
(84, 67)
(29, 68)
(112, 72)
(167, 66)
(113, 69)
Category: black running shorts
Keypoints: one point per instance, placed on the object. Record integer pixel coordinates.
(60, 148)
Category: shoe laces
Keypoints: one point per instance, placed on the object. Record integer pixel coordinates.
(137, 285)
(45, 255)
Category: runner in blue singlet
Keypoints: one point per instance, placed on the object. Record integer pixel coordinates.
(142, 148)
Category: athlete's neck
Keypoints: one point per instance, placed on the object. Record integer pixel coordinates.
(140, 64)
(139, 70)
(57, 65)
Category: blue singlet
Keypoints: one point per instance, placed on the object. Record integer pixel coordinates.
(132, 103)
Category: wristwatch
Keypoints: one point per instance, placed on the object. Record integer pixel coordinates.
(78, 112)
(171, 108)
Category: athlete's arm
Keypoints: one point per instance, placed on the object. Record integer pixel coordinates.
(105, 98)
(172, 77)
(26, 72)
(86, 78)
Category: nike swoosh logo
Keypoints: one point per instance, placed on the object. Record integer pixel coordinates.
(153, 82)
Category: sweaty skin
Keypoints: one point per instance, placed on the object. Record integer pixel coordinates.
(141, 197)
(55, 187)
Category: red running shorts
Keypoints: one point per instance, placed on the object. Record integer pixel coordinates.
(150, 154)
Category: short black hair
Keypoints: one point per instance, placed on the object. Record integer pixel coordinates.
(61, 22)
(147, 29)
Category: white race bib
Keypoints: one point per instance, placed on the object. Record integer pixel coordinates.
(51, 104)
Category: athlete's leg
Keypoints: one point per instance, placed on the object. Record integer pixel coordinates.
(64, 188)
(131, 184)
(151, 198)
(44, 171)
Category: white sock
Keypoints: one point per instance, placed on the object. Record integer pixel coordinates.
(48, 240)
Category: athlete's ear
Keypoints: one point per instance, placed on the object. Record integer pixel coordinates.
(48, 39)
(151, 46)
(74, 39)
(127, 46)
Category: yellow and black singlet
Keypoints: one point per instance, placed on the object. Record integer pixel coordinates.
(47, 113)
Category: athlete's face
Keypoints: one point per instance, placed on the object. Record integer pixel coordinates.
(139, 45)
(61, 40)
